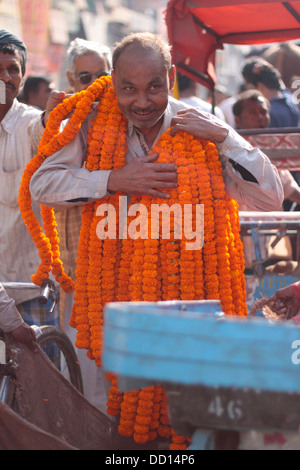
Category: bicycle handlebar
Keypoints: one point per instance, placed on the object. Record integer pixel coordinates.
(48, 290)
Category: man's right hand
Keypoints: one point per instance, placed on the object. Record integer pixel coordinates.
(142, 176)
(55, 98)
(26, 335)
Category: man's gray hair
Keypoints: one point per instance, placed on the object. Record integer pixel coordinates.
(79, 47)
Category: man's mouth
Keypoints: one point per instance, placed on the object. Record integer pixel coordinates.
(10, 86)
(143, 114)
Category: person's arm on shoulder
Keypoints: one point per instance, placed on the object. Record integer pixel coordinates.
(39, 120)
(290, 186)
(12, 322)
(249, 175)
(62, 180)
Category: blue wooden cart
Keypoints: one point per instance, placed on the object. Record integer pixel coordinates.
(219, 372)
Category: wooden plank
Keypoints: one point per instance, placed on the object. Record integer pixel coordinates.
(211, 374)
(239, 409)
(201, 350)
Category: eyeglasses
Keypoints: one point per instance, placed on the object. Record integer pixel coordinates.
(86, 78)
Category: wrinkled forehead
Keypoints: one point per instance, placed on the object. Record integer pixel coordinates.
(135, 54)
(10, 56)
(10, 53)
(90, 63)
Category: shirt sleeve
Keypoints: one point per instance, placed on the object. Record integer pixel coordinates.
(288, 183)
(10, 318)
(265, 191)
(35, 131)
(62, 179)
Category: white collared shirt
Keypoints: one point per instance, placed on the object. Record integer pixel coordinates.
(62, 178)
(20, 132)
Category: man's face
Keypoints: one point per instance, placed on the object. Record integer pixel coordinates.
(10, 75)
(88, 67)
(254, 115)
(142, 84)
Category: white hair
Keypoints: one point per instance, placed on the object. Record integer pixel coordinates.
(79, 47)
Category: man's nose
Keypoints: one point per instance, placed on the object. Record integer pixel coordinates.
(142, 100)
(4, 75)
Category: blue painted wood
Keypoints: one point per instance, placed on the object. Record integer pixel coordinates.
(165, 343)
(202, 440)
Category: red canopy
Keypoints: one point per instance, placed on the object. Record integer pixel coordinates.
(196, 28)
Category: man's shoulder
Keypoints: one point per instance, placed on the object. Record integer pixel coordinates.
(26, 110)
(177, 105)
(19, 116)
(23, 111)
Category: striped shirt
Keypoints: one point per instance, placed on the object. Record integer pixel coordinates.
(20, 132)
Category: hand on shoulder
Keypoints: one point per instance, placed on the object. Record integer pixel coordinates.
(200, 124)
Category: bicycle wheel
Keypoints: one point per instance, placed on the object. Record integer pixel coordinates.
(60, 350)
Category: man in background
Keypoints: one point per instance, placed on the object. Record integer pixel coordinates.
(36, 92)
(252, 111)
(21, 128)
(262, 76)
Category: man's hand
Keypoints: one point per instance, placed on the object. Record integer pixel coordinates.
(26, 335)
(285, 303)
(200, 124)
(143, 176)
(55, 98)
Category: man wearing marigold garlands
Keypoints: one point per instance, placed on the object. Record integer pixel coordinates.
(125, 147)
(21, 128)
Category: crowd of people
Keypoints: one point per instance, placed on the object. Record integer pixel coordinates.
(143, 77)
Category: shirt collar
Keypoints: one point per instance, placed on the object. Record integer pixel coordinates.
(9, 121)
(166, 124)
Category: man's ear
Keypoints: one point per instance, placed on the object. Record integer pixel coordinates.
(113, 78)
(172, 76)
(70, 79)
(237, 120)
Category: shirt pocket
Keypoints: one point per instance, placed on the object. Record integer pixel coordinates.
(9, 186)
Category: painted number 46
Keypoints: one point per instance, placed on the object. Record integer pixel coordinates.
(232, 409)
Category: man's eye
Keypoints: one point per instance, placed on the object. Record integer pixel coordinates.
(14, 70)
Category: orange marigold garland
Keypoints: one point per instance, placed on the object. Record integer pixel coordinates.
(51, 142)
(141, 267)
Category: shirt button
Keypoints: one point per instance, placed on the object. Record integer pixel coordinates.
(96, 194)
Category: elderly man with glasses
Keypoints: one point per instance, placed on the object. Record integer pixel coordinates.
(86, 61)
